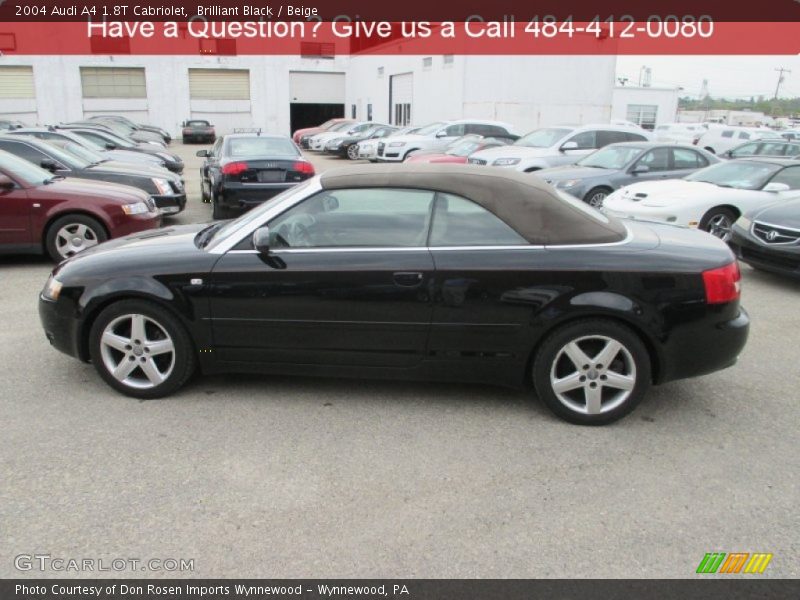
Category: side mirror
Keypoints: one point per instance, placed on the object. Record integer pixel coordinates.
(110, 146)
(776, 187)
(6, 183)
(728, 154)
(569, 146)
(261, 240)
(49, 164)
(639, 169)
(441, 134)
(202, 153)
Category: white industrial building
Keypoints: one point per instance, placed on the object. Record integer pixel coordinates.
(282, 93)
(648, 107)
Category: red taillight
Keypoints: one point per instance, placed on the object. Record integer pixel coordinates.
(723, 284)
(302, 166)
(234, 168)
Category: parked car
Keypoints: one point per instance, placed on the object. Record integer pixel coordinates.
(347, 275)
(680, 133)
(124, 130)
(43, 213)
(153, 161)
(769, 238)
(437, 136)
(110, 141)
(318, 142)
(772, 147)
(162, 133)
(164, 187)
(298, 135)
(342, 126)
(243, 170)
(719, 140)
(595, 176)
(197, 130)
(368, 149)
(458, 152)
(9, 125)
(346, 146)
(711, 199)
(555, 146)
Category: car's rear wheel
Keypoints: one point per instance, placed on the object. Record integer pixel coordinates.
(204, 197)
(596, 196)
(217, 212)
(352, 152)
(719, 222)
(71, 234)
(141, 349)
(592, 372)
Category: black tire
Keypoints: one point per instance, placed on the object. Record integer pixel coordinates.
(718, 222)
(204, 197)
(630, 364)
(591, 197)
(352, 152)
(182, 362)
(409, 153)
(96, 234)
(218, 212)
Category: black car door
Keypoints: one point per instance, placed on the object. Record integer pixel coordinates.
(346, 282)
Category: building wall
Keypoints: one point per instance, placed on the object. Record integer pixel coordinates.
(666, 99)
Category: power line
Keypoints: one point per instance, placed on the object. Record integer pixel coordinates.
(781, 78)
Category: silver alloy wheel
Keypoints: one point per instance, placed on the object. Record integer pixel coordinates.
(593, 375)
(137, 351)
(596, 199)
(352, 152)
(74, 237)
(720, 226)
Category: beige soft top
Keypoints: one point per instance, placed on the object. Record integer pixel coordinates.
(523, 201)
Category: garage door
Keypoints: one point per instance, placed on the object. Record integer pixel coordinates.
(16, 82)
(401, 94)
(221, 96)
(316, 88)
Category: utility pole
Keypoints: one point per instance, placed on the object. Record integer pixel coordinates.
(781, 78)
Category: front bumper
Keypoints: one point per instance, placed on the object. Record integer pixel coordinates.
(776, 259)
(170, 204)
(61, 327)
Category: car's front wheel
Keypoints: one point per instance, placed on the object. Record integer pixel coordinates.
(719, 222)
(141, 349)
(596, 196)
(592, 372)
(352, 152)
(71, 234)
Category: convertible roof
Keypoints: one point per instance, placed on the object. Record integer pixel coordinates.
(532, 207)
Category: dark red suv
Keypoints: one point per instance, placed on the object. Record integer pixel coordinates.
(42, 213)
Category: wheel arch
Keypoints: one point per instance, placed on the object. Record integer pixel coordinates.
(102, 219)
(737, 213)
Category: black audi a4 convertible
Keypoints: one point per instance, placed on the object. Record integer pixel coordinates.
(414, 272)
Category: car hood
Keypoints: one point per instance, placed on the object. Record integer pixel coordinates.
(130, 170)
(407, 139)
(782, 214)
(437, 157)
(512, 151)
(572, 172)
(89, 188)
(671, 191)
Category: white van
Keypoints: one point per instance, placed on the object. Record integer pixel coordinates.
(722, 139)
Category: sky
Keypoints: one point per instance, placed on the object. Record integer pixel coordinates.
(728, 76)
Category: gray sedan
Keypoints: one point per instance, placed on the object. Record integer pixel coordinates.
(595, 176)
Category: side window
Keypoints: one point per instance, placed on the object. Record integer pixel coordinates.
(455, 130)
(604, 138)
(487, 130)
(683, 158)
(656, 160)
(217, 147)
(743, 135)
(356, 218)
(24, 151)
(792, 149)
(461, 222)
(772, 148)
(790, 176)
(745, 150)
(635, 137)
(728, 133)
(586, 140)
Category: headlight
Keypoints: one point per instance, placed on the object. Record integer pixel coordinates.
(396, 144)
(505, 162)
(567, 183)
(162, 185)
(52, 289)
(139, 208)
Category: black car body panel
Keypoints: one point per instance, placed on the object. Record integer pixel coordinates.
(769, 239)
(194, 131)
(468, 314)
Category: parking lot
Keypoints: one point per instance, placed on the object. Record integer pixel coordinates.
(295, 477)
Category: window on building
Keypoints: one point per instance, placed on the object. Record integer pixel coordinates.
(113, 82)
(219, 84)
(644, 115)
(16, 82)
(402, 114)
(369, 112)
(448, 60)
(380, 71)
(353, 111)
(427, 62)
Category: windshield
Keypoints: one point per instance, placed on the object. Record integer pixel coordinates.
(107, 135)
(341, 126)
(79, 151)
(197, 124)
(65, 158)
(743, 175)
(328, 124)
(542, 138)
(229, 228)
(21, 169)
(464, 147)
(429, 129)
(610, 157)
(261, 146)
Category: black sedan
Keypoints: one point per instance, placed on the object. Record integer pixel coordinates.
(69, 160)
(769, 238)
(347, 145)
(242, 170)
(413, 272)
(198, 131)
